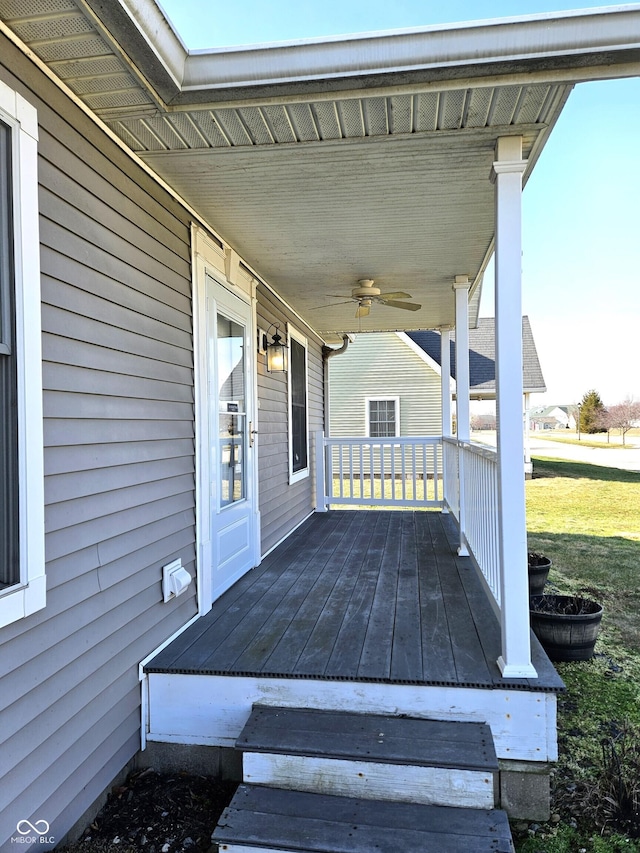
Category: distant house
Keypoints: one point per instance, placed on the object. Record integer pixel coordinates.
(389, 383)
(553, 417)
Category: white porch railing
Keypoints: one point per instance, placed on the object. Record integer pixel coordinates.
(477, 467)
(399, 471)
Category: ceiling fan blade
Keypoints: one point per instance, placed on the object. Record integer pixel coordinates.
(408, 306)
(331, 304)
(396, 295)
(363, 311)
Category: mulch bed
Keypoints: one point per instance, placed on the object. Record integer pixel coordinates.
(157, 813)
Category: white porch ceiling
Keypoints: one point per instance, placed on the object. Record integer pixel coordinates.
(375, 165)
(316, 218)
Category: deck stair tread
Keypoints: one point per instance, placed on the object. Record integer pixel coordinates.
(369, 737)
(269, 819)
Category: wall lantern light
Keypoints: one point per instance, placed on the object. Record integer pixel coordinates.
(276, 352)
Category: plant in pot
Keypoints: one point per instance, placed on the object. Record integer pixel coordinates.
(566, 625)
(539, 566)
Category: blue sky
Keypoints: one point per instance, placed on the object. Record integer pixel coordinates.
(581, 249)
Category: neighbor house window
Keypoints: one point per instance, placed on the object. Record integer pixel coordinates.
(22, 580)
(298, 408)
(383, 419)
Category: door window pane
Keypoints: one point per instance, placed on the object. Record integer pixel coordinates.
(232, 420)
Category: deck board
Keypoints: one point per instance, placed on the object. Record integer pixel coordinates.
(234, 628)
(375, 660)
(406, 651)
(356, 595)
(322, 640)
(437, 652)
(347, 650)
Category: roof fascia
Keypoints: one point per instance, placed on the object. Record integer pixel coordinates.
(432, 363)
(572, 38)
(424, 356)
(144, 37)
(568, 47)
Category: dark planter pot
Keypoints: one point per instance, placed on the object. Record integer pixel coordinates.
(538, 572)
(566, 626)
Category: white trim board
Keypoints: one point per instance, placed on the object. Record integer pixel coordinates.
(28, 595)
(212, 710)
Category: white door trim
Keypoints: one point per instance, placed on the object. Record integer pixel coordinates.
(209, 259)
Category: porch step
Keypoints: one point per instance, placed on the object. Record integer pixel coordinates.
(277, 821)
(370, 756)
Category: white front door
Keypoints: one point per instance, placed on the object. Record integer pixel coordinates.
(231, 359)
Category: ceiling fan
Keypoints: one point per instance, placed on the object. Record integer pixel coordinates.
(365, 294)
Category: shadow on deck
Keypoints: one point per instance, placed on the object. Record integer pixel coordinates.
(362, 596)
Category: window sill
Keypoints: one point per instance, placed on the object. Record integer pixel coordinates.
(298, 475)
(17, 602)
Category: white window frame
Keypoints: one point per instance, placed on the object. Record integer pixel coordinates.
(294, 334)
(385, 399)
(29, 594)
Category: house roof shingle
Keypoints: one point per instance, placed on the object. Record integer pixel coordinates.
(482, 365)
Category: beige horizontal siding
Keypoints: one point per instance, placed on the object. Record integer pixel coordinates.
(293, 501)
(119, 464)
(382, 365)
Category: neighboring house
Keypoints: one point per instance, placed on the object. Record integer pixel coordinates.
(384, 385)
(389, 384)
(553, 417)
(161, 213)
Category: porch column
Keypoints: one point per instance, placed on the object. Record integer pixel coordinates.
(445, 397)
(445, 379)
(528, 465)
(515, 660)
(461, 288)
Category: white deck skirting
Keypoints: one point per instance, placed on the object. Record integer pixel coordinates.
(212, 710)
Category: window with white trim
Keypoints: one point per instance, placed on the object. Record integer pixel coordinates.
(298, 407)
(22, 577)
(383, 417)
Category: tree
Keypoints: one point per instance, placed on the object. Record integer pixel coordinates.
(592, 413)
(624, 416)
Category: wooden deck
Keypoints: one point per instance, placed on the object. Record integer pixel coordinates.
(368, 596)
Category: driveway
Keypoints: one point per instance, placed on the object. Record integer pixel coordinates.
(628, 459)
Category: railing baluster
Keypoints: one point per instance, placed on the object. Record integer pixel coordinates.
(351, 494)
(392, 462)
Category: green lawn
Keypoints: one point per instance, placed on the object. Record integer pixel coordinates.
(586, 518)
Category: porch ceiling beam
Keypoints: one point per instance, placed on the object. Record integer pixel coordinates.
(509, 167)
